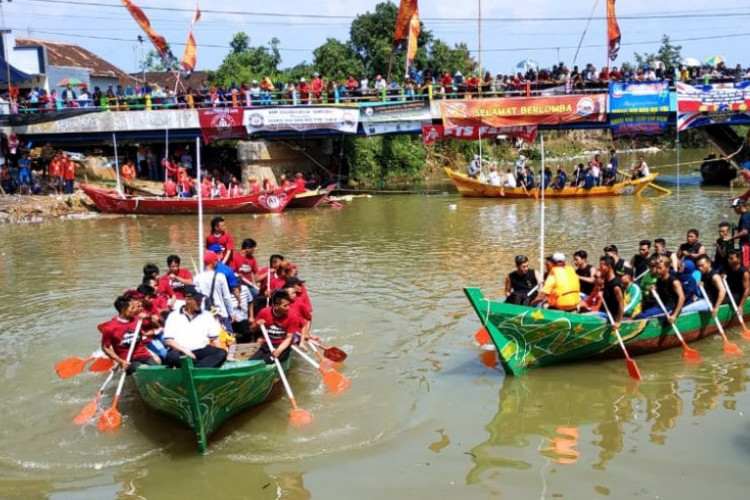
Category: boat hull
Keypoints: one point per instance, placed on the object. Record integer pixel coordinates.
(311, 199)
(469, 187)
(203, 398)
(531, 337)
(111, 202)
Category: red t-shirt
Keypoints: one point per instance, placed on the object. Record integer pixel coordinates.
(69, 170)
(304, 298)
(279, 327)
(301, 310)
(55, 168)
(300, 182)
(244, 266)
(224, 240)
(170, 188)
(168, 287)
(118, 334)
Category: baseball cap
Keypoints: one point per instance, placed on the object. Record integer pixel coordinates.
(209, 257)
(292, 282)
(191, 291)
(558, 257)
(738, 202)
(216, 248)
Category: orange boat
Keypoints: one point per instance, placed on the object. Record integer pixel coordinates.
(477, 189)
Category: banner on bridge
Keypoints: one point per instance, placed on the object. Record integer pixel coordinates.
(433, 133)
(394, 118)
(222, 123)
(519, 111)
(638, 108)
(301, 119)
(702, 105)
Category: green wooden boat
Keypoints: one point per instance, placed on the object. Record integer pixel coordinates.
(203, 398)
(531, 337)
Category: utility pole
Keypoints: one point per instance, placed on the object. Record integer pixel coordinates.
(143, 62)
(5, 56)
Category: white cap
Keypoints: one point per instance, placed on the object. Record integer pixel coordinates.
(558, 257)
(302, 79)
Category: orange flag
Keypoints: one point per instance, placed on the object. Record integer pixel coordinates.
(406, 11)
(190, 56)
(411, 48)
(613, 31)
(160, 43)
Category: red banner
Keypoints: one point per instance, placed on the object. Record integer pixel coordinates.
(613, 31)
(190, 56)
(433, 133)
(222, 123)
(406, 11)
(518, 111)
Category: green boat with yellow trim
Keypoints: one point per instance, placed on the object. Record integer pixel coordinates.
(532, 337)
(203, 398)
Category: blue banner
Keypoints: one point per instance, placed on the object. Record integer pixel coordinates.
(638, 108)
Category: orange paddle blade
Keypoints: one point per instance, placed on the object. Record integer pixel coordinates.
(101, 365)
(109, 420)
(488, 358)
(745, 332)
(482, 336)
(300, 418)
(731, 348)
(335, 381)
(633, 369)
(87, 412)
(71, 366)
(691, 354)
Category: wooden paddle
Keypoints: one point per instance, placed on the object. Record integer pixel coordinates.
(297, 417)
(333, 353)
(729, 347)
(745, 331)
(659, 188)
(90, 409)
(689, 353)
(629, 362)
(110, 419)
(335, 381)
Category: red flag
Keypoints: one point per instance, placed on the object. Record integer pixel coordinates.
(160, 43)
(190, 56)
(411, 48)
(406, 11)
(613, 31)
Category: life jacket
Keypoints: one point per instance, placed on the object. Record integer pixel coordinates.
(567, 291)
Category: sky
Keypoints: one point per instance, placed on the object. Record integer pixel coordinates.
(545, 31)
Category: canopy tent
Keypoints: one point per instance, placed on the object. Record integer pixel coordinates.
(16, 75)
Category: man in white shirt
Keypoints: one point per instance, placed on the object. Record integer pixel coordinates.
(641, 170)
(494, 177)
(191, 332)
(221, 298)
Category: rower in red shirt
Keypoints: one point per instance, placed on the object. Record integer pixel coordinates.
(299, 180)
(118, 333)
(173, 283)
(220, 236)
(170, 188)
(282, 325)
(244, 264)
(295, 287)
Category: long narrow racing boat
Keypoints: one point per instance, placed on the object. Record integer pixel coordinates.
(112, 202)
(470, 187)
(311, 198)
(203, 398)
(531, 337)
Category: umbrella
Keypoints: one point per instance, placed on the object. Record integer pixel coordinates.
(527, 64)
(75, 82)
(716, 60)
(692, 62)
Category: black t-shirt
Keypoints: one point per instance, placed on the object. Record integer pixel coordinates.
(744, 223)
(666, 291)
(586, 287)
(609, 295)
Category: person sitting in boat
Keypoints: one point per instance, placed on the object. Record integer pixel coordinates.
(494, 177)
(254, 185)
(294, 287)
(613, 293)
(267, 185)
(593, 301)
(633, 296)
(738, 278)
(660, 248)
(712, 284)
(474, 168)
(669, 290)
(687, 275)
(692, 248)
(218, 189)
(588, 180)
(522, 285)
(245, 265)
(743, 229)
(641, 170)
(213, 284)
(175, 279)
(561, 289)
(220, 236)
(526, 180)
(585, 271)
(647, 280)
(520, 164)
(190, 331)
(299, 181)
(509, 180)
(561, 179)
(119, 332)
(576, 177)
(282, 325)
(639, 261)
(620, 264)
(235, 189)
(170, 188)
(723, 245)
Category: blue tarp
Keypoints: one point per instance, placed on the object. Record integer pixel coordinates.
(16, 75)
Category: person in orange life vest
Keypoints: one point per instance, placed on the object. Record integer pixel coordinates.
(119, 332)
(173, 283)
(254, 185)
(299, 181)
(69, 174)
(317, 87)
(561, 288)
(303, 88)
(282, 325)
(220, 236)
(234, 188)
(170, 188)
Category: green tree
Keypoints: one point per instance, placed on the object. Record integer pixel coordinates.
(668, 54)
(152, 62)
(443, 58)
(240, 42)
(245, 63)
(336, 60)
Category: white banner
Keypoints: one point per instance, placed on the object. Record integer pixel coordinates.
(301, 119)
(393, 127)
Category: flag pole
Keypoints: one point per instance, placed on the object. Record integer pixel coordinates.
(200, 197)
(541, 217)
(117, 164)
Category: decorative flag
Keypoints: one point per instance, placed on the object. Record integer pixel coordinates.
(411, 48)
(190, 56)
(160, 43)
(613, 31)
(406, 12)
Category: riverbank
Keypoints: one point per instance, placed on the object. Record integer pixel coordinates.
(39, 208)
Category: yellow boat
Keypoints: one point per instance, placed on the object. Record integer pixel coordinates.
(477, 189)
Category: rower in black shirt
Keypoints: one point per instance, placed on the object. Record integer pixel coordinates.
(522, 285)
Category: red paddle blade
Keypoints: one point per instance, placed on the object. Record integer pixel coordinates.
(101, 365)
(335, 381)
(633, 369)
(691, 354)
(86, 413)
(300, 418)
(70, 367)
(489, 358)
(109, 420)
(731, 348)
(482, 336)
(334, 354)
(745, 332)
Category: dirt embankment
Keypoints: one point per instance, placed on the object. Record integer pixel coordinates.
(30, 208)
